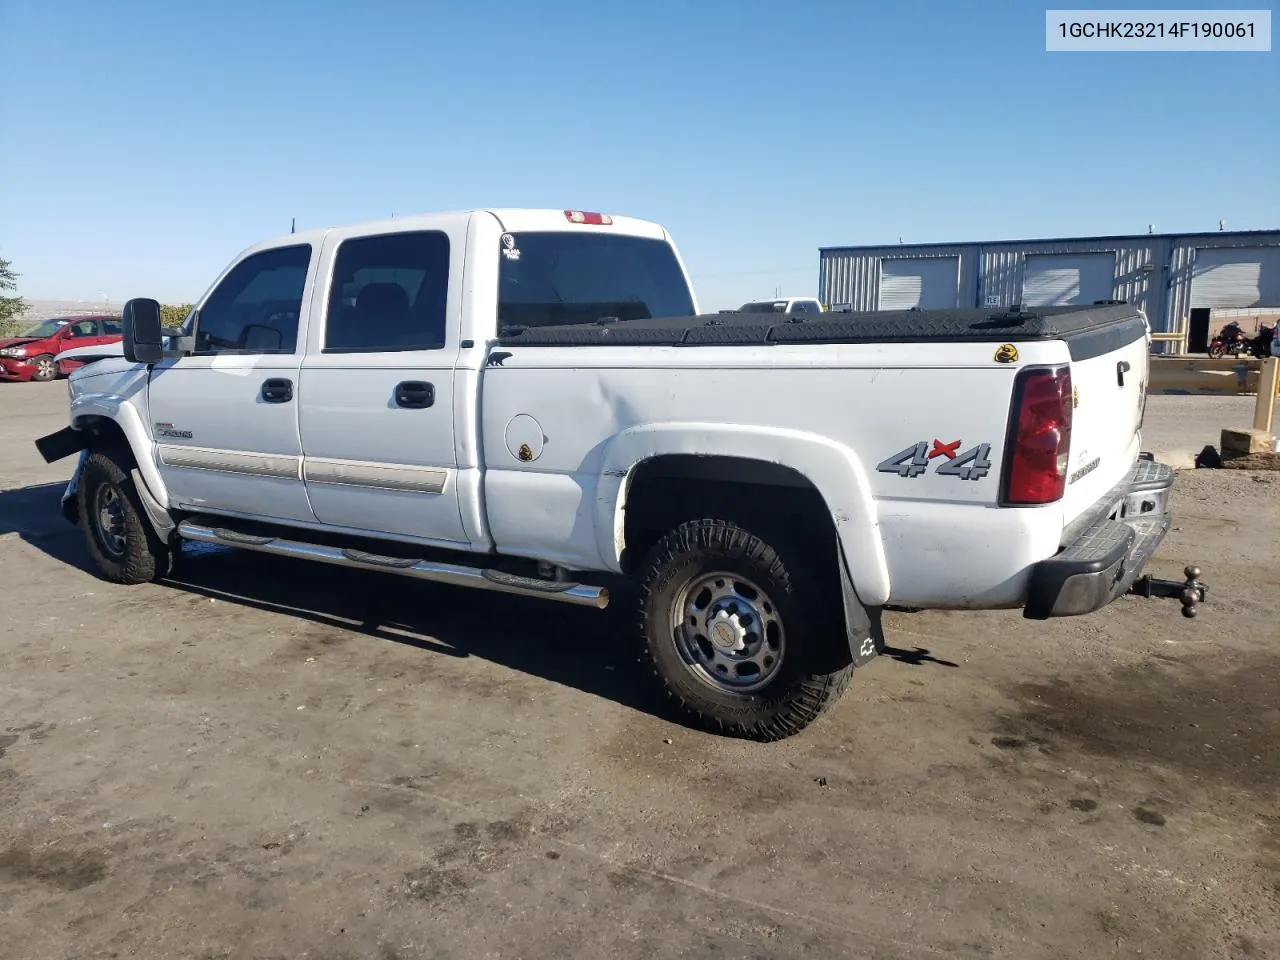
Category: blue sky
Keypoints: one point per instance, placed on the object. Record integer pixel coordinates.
(142, 144)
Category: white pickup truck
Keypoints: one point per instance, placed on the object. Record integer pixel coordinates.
(528, 401)
(783, 305)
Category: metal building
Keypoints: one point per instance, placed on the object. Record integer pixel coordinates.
(1177, 279)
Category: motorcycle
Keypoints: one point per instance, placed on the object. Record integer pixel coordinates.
(1230, 341)
(1262, 345)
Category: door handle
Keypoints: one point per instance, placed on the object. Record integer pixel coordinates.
(415, 394)
(277, 390)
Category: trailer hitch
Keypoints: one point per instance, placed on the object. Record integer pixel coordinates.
(1190, 592)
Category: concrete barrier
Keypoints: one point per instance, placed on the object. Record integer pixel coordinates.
(1201, 375)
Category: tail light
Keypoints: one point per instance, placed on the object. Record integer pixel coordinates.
(1035, 463)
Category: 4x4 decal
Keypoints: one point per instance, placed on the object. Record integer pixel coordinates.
(972, 464)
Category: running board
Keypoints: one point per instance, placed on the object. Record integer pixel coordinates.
(576, 593)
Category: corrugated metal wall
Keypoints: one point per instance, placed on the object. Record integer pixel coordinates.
(853, 276)
(1002, 269)
(1152, 272)
(1183, 255)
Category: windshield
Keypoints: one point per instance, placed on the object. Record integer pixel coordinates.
(547, 279)
(766, 306)
(45, 328)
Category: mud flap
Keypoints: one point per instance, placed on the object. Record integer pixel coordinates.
(866, 638)
(64, 443)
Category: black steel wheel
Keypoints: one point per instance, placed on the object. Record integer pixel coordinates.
(121, 540)
(741, 636)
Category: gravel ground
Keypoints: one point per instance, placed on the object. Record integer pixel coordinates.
(1179, 427)
(267, 759)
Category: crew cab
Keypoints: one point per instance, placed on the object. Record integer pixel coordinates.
(33, 354)
(529, 401)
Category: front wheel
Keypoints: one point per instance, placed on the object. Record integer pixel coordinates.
(740, 636)
(123, 545)
(46, 369)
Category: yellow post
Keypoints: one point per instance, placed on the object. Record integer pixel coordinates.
(1264, 408)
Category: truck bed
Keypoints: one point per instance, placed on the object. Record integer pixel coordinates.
(1089, 330)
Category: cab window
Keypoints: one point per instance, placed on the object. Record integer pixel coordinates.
(389, 293)
(80, 329)
(548, 279)
(255, 309)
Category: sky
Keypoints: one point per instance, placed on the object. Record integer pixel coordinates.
(143, 144)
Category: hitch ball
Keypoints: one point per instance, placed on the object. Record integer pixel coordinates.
(1193, 593)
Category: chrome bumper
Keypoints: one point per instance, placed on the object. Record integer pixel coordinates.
(1105, 550)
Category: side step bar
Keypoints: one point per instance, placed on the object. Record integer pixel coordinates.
(576, 593)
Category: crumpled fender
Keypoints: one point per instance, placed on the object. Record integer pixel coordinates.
(125, 415)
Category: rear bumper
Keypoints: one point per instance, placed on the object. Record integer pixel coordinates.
(1106, 555)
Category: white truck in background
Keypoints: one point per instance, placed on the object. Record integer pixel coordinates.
(528, 401)
(781, 305)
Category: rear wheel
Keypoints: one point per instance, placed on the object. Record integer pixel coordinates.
(46, 369)
(740, 636)
(123, 545)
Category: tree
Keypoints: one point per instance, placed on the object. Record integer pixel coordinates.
(11, 307)
(172, 314)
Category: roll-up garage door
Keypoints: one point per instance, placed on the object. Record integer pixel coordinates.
(1061, 279)
(1236, 277)
(926, 282)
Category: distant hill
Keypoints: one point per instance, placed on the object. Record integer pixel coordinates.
(38, 310)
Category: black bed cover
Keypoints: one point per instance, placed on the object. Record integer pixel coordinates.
(1088, 330)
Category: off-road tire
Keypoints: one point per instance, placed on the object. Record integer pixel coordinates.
(145, 556)
(43, 373)
(816, 665)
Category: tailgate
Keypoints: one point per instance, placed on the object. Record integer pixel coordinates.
(1109, 373)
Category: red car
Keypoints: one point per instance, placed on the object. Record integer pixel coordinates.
(32, 355)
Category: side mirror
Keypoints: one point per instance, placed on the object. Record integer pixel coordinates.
(143, 333)
(261, 338)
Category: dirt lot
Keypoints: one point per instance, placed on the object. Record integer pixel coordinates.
(266, 759)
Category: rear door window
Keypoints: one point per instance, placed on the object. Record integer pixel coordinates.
(389, 293)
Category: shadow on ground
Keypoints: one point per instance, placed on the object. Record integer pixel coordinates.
(33, 511)
(588, 650)
(34, 514)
